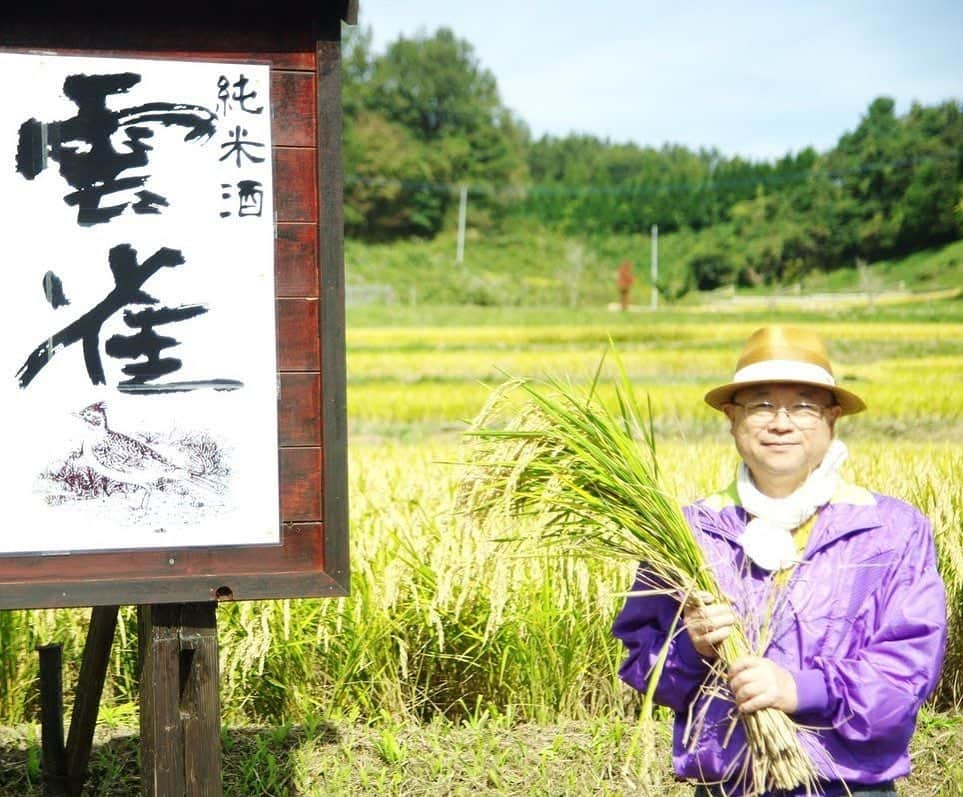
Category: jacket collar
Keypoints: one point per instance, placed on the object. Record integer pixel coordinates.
(852, 509)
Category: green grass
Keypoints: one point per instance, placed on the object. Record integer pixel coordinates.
(490, 755)
(941, 267)
(533, 267)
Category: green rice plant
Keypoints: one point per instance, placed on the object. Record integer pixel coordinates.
(442, 621)
(586, 479)
(22, 632)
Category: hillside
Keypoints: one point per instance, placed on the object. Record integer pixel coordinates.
(426, 133)
(531, 266)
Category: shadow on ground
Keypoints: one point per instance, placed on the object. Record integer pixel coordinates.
(256, 761)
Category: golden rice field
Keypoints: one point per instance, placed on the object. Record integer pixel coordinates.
(443, 622)
(417, 386)
(909, 373)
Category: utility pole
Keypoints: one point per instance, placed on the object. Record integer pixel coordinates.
(462, 213)
(574, 253)
(655, 266)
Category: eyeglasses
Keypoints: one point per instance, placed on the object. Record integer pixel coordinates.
(804, 416)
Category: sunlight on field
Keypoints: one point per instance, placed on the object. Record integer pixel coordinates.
(909, 374)
(442, 622)
(657, 332)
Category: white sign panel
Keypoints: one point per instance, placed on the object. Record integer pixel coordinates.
(137, 354)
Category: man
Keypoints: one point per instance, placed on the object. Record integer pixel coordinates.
(857, 629)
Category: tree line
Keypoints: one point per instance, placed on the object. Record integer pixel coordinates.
(425, 117)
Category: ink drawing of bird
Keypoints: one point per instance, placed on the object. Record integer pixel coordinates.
(125, 459)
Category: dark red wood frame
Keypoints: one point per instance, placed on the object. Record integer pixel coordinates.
(302, 45)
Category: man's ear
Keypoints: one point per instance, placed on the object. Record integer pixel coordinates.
(730, 411)
(834, 412)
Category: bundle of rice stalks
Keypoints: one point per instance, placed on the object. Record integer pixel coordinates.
(585, 478)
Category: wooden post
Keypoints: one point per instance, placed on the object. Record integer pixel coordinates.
(90, 686)
(180, 724)
(53, 756)
(65, 766)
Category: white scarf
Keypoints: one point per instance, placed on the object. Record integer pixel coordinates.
(767, 538)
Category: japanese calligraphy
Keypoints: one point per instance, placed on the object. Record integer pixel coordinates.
(129, 279)
(82, 144)
(148, 344)
(240, 95)
(249, 194)
(240, 149)
(137, 329)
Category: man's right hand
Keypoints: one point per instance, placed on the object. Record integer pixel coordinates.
(707, 623)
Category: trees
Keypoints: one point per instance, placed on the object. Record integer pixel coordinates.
(890, 186)
(391, 180)
(425, 117)
(420, 119)
(901, 177)
(930, 208)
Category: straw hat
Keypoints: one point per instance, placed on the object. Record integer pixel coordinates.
(785, 354)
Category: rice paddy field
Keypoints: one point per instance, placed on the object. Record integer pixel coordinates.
(458, 666)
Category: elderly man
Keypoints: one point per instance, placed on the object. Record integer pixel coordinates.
(842, 579)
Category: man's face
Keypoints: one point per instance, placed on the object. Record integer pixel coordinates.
(782, 431)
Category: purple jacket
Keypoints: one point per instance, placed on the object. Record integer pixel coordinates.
(861, 625)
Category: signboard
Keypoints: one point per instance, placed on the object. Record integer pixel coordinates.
(172, 371)
(138, 373)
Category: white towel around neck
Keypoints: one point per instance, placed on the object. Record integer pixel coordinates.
(767, 538)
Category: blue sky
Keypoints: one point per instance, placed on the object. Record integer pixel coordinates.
(758, 79)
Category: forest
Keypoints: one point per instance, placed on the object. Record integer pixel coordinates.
(424, 118)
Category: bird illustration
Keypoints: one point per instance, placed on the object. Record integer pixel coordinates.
(127, 460)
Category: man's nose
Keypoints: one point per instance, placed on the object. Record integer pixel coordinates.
(782, 419)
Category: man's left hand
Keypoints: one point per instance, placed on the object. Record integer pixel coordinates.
(759, 683)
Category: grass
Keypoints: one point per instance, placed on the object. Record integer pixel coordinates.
(529, 267)
(491, 755)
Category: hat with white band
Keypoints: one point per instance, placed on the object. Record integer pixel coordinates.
(785, 354)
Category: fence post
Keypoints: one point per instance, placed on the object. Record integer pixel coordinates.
(462, 216)
(655, 267)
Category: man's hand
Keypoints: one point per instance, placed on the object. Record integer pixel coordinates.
(759, 683)
(707, 624)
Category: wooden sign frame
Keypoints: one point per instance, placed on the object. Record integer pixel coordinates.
(302, 46)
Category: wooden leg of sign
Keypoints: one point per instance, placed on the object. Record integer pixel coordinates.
(65, 766)
(200, 700)
(53, 755)
(180, 717)
(90, 686)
